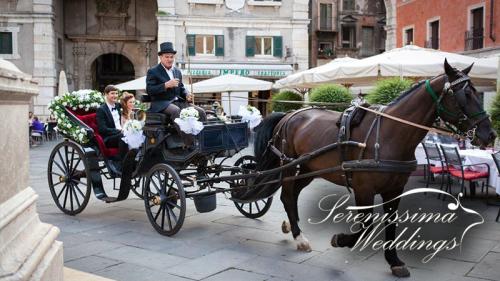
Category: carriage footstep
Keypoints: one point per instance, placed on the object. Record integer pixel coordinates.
(400, 271)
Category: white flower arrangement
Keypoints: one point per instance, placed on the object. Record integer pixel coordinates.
(188, 121)
(251, 115)
(132, 133)
(84, 100)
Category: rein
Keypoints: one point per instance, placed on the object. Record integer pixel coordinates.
(430, 129)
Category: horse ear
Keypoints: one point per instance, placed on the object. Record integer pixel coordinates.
(448, 69)
(467, 70)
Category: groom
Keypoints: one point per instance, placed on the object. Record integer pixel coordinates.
(164, 86)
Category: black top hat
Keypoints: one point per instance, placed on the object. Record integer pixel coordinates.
(166, 47)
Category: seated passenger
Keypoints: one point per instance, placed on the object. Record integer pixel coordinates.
(168, 94)
(127, 104)
(109, 122)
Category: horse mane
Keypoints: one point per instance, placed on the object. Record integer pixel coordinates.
(407, 92)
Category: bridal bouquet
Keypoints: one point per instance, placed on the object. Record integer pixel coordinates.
(188, 121)
(251, 115)
(132, 133)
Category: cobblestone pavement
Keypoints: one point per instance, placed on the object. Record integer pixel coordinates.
(116, 241)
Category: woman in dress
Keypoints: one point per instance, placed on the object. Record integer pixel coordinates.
(128, 104)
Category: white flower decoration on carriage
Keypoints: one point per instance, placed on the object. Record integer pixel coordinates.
(132, 133)
(251, 115)
(188, 121)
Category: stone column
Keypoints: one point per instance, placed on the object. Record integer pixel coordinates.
(44, 45)
(28, 247)
(300, 22)
(390, 26)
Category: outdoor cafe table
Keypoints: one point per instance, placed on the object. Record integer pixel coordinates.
(476, 156)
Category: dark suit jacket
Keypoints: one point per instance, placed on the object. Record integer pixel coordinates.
(155, 87)
(105, 122)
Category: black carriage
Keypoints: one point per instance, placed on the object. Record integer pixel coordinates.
(160, 172)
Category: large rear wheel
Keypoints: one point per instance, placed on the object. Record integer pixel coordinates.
(164, 199)
(254, 209)
(69, 178)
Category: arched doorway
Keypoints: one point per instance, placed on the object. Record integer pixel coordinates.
(111, 69)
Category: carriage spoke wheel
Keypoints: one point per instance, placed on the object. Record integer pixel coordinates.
(138, 186)
(69, 178)
(164, 199)
(253, 209)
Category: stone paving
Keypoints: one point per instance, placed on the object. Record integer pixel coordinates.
(116, 241)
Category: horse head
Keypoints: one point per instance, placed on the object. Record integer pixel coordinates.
(460, 106)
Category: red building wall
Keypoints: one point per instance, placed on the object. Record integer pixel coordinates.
(453, 21)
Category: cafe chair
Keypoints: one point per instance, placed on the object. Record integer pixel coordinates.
(463, 172)
(496, 159)
(433, 155)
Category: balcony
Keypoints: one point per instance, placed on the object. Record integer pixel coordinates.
(351, 52)
(474, 39)
(326, 54)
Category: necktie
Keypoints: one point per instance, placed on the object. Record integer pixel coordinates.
(114, 108)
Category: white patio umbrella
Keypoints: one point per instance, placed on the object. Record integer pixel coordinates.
(136, 84)
(63, 84)
(408, 61)
(307, 78)
(230, 83)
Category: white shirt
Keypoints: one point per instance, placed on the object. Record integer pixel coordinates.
(116, 116)
(170, 72)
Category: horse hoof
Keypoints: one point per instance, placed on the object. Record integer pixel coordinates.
(303, 244)
(335, 241)
(400, 271)
(285, 227)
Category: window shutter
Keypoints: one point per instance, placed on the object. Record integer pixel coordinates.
(219, 45)
(250, 46)
(278, 46)
(191, 39)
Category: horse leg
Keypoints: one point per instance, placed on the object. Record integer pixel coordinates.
(289, 196)
(349, 240)
(398, 267)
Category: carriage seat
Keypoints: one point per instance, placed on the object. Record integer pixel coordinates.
(157, 119)
(91, 121)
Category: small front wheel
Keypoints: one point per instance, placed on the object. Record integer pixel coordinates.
(254, 209)
(164, 199)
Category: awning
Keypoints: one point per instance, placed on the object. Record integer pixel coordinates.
(276, 71)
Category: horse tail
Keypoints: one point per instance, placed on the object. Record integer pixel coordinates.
(265, 159)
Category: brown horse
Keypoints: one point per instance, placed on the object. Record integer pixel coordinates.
(455, 101)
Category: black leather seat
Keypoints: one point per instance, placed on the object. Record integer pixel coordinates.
(153, 118)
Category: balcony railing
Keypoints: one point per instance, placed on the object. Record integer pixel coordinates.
(474, 39)
(326, 53)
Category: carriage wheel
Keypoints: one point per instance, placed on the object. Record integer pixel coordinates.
(164, 199)
(138, 186)
(253, 209)
(69, 178)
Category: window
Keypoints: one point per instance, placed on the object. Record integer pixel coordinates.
(59, 49)
(367, 47)
(205, 45)
(212, 45)
(6, 43)
(408, 36)
(474, 36)
(433, 40)
(325, 49)
(348, 5)
(348, 36)
(264, 46)
(325, 16)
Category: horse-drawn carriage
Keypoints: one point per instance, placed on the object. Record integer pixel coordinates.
(161, 171)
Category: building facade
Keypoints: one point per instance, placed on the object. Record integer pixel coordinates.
(260, 39)
(339, 28)
(469, 27)
(97, 42)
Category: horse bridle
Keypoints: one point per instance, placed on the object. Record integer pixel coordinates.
(460, 99)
